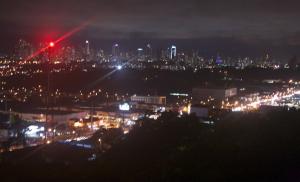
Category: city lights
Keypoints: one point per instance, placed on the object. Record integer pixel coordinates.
(119, 67)
(124, 107)
(129, 90)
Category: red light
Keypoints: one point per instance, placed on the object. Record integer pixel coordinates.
(51, 44)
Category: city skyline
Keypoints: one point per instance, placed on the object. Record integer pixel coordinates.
(268, 26)
(149, 90)
(205, 48)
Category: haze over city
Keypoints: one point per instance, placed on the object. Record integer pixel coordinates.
(136, 90)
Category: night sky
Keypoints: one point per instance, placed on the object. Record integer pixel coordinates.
(263, 25)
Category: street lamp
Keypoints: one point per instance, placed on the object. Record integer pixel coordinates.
(119, 67)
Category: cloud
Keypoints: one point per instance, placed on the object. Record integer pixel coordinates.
(167, 19)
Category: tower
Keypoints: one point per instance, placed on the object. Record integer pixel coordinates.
(148, 51)
(87, 47)
(115, 50)
(173, 52)
(140, 52)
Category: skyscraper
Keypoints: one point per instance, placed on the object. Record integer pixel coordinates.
(23, 49)
(219, 60)
(115, 50)
(87, 51)
(173, 52)
(140, 52)
(148, 50)
(87, 47)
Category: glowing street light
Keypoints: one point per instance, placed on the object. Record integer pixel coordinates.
(119, 67)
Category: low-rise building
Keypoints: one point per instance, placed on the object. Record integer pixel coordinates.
(159, 100)
(199, 111)
(199, 94)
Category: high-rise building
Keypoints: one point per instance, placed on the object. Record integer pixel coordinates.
(73, 54)
(100, 53)
(173, 52)
(148, 50)
(65, 54)
(219, 60)
(165, 54)
(140, 52)
(87, 50)
(23, 49)
(87, 47)
(115, 50)
(100, 56)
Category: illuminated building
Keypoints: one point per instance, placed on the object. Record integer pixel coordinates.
(161, 100)
(23, 49)
(219, 61)
(66, 54)
(87, 47)
(199, 94)
(115, 50)
(140, 52)
(148, 50)
(173, 52)
(87, 50)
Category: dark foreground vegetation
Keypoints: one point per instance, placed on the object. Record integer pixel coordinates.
(241, 147)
